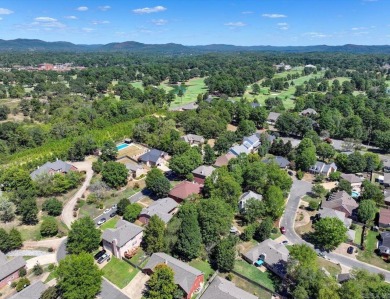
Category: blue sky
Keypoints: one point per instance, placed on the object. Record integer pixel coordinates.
(199, 22)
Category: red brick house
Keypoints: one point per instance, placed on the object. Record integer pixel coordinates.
(189, 279)
(201, 173)
(184, 189)
(9, 269)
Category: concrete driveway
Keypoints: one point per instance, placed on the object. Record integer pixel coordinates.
(136, 286)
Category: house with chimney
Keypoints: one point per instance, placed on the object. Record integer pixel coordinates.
(193, 139)
(187, 278)
(343, 202)
(125, 237)
(52, 168)
(201, 173)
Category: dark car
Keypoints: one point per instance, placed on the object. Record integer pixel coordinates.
(112, 214)
(290, 173)
(283, 230)
(99, 254)
(104, 257)
(350, 249)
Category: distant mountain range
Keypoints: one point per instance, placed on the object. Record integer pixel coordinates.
(171, 48)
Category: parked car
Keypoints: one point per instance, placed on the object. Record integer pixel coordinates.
(290, 173)
(101, 221)
(112, 214)
(350, 249)
(285, 242)
(99, 254)
(104, 257)
(106, 211)
(283, 230)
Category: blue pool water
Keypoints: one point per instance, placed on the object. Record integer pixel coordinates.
(355, 194)
(121, 146)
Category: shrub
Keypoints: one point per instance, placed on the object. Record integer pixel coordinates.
(22, 283)
(49, 227)
(50, 249)
(51, 267)
(52, 206)
(353, 226)
(313, 205)
(229, 276)
(37, 269)
(300, 174)
(91, 199)
(22, 272)
(13, 284)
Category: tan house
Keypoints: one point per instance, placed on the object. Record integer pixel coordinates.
(193, 139)
(124, 238)
(353, 179)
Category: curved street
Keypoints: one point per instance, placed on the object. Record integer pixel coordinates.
(298, 190)
(67, 212)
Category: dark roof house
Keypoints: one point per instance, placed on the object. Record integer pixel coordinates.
(153, 157)
(186, 277)
(384, 244)
(281, 161)
(58, 166)
(221, 288)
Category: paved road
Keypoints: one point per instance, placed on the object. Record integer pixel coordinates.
(67, 212)
(139, 195)
(299, 189)
(105, 215)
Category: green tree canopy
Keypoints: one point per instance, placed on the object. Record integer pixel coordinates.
(329, 233)
(153, 240)
(367, 210)
(83, 236)
(157, 183)
(79, 277)
(131, 212)
(115, 174)
(225, 254)
(161, 284)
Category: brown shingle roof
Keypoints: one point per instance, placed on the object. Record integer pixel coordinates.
(384, 216)
(185, 189)
(340, 199)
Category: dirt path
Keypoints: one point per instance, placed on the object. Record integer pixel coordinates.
(42, 260)
(67, 212)
(53, 243)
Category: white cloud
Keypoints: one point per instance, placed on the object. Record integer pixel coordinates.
(104, 8)
(82, 8)
(1, 18)
(98, 22)
(274, 15)
(235, 24)
(160, 22)
(71, 17)
(248, 12)
(317, 34)
(45, 19)
(87, 30)
(358, 28)
(283, 26)
(147, 10)
(5, 11)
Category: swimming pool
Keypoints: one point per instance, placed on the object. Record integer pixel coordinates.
(121, 146)
(355, 194)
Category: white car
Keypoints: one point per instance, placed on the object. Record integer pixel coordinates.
(114, 206)
(101, 221)
(106, 211)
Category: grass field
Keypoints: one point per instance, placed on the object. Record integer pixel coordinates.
(368, 255)
(285, 94)
(119, 272)
(251, 288)
(195, 86)
(110, 223)
(204, 267)
(358, 234)
(332, 268)
(251, 272)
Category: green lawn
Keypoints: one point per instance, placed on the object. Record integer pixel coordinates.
(119, 272)
(195, 86)
(368, 255)
(358, 234)
(203, 266)
(332, 268)
(264, 278)
(138, 257)
(110, 223)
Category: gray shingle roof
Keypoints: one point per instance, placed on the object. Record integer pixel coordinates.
(352, 178)
(124, 231)
(321, 167)
(273, 116)
(57, 166)
(250, 194)
(110, 292)
(239, 149)
(161, 208)
(185, 275)
(151, 156)
(193, 137)
(203, 170)
(330, 213)
(33, 291)
(275, 253)
(221, 288)
(340, 199)
(133, 167)
(11, 266)
(308, 111)
(281, 161)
